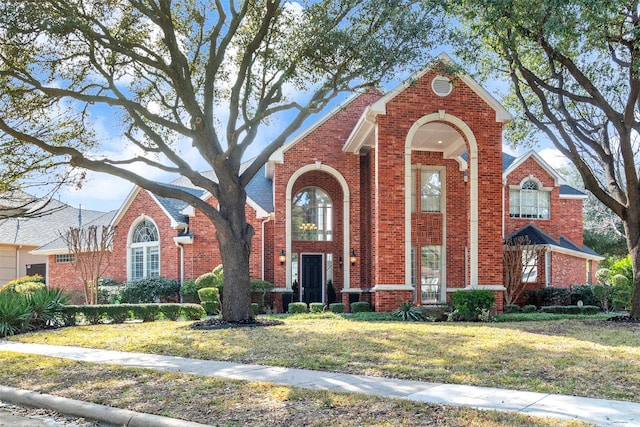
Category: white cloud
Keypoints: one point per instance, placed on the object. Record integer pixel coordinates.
(554, 158)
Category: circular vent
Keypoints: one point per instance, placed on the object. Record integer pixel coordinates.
(442, 86)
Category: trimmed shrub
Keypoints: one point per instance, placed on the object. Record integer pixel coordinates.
(336, 307)
(262, 288)
(469, 304)
(529, 309)
(549, 296)
(211, 307)
(149, 290)
(360, 307)
(297, 307)
(189, 290)
(110, 291)
(316, 307)
(209, 295)
(255, 308)
(192, 311)
(570, 309)
(512, 308)
(10, 286)
(118, 313)
(582, 293)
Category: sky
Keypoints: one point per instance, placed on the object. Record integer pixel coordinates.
(105, 192)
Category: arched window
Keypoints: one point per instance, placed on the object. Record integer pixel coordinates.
(529, 200)
(144, 251)
(312, 215)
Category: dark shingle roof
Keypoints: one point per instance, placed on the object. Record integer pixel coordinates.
(539, 237)
(59, 244)
(507, 159)
(174, 207)
(567, 190)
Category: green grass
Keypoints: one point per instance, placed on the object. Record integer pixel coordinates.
(231, 403)
(592, 358)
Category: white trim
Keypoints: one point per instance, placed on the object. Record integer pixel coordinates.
(125, 206)
(346, 217)
(183, 240)
(442, 116)
(392, 288)
(573, 196)
(573, 253)
(557, 178)
(132, 228)
(478, 287)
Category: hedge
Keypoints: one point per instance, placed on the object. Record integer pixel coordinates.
(570, 309)
(297, 307)
(316, 307)
(118, 313)
(360, 307)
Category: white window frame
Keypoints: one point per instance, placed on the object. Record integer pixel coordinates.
(540, 198)
(322, 229)
(420, 170)
(147, 249)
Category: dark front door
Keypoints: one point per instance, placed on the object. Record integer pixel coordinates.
(312, 278)
(40, 269)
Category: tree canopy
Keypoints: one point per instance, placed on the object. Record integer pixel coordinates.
(203, 75)
(573, 67)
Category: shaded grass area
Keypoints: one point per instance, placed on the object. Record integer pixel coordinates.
(236, 403)
(591, 358)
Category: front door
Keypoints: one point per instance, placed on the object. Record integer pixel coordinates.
(312, 278)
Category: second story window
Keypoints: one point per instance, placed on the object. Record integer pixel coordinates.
(312, 215)
(530, 200)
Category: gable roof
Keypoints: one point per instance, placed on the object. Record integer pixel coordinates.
(564, 245)
(58, 245)
(42, 229)
(557, 178)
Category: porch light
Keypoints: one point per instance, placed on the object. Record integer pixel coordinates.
(340, 262)
(353, 258)
(283, 257)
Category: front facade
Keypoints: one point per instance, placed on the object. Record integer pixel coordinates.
(390, 198)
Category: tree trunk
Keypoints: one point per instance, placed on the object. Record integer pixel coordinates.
(234, 239)
(635, 265)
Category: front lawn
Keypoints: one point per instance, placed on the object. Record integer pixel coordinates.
(592, 358)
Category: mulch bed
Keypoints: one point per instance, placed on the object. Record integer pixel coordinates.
(624, 319)
(215, 323)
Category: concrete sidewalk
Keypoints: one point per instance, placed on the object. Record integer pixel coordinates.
(597, 411)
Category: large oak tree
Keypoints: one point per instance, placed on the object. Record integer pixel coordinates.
(201, 74)
(574, 70)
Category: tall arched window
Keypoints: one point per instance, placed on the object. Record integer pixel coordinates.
(145, 251)
(312, 215)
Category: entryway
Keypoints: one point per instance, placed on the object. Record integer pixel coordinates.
(311, 278)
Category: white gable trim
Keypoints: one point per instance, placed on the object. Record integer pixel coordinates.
(260, 211)
(125, 206)
(557, 178)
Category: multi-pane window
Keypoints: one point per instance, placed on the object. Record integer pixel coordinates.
(430, 274)
(65, 258)
(312, 215)
(145, 251)
(529, 266)
(430, 190)
(529, 201)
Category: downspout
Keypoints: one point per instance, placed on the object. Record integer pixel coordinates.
(181, 268)
(263, 248)
(18, 260)
(547, 267)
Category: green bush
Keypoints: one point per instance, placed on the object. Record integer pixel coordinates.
(149, 290)
(529, 309)
(211, 307)
(622, 267)
(110, 291)
(469, 304)
(297, 307)
(14, 314)
(512, 308)
(549, 296)
(336, 307)
(209, 294)
(316, 307)
(189, 288)
(621, 292)
(360, 307)
(570, 309)
(192, 311)
(118, 313)
(255, 309)
(261, 288)
(583, 293)
(407, 311)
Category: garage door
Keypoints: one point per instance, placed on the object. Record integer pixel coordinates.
(7, 264)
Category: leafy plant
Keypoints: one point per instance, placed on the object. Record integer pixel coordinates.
(337, 307)
(316, 307)
(45, 306)
(262, 288)
(360, 307)
(211, 307)
(28, 287)
(407, 311)
(297, 307)
(14, 313)
(209, 294)
(469, 304)
(149, 289)
(10, 286)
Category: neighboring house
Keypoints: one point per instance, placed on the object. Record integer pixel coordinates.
(395, 197)
(19, 236)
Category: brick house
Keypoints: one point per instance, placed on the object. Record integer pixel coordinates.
(392, 198)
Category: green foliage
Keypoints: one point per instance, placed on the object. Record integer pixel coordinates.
(209, 294)
(255, 308)
(583, 293)
(118, 313)
(371, 316)
(206, 280)
(407, 311)
(337, 307)
(549, 296)
(149, 289)
(622, 267)
(14, 314)
(316, 307)
(360, 307)
(603, 276)
(11, 285)
(529, 308)
(297, 307)
(262, 288)
(469, 304)
(620, 280)
(512, 308)
(570, 309)
(189, 288)
(211, 307)
(110, 293)
(331, 292)
(45, 305)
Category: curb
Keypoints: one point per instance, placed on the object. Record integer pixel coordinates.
(93, 411)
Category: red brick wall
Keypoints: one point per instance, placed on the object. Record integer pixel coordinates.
(567, 271)
(62, 275)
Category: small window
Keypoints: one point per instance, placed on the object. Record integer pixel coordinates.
(431, 190)
(65, 258)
